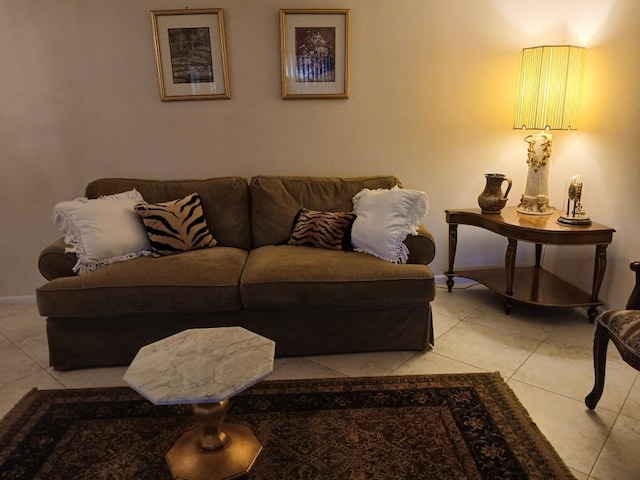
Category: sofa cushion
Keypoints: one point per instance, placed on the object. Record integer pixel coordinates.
(196, 281)
(177, 226)
(288, 276)
(225, 202)
(275, 201)
(330, 230)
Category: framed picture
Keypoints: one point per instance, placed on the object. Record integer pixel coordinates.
(315, 53)
(191, 54)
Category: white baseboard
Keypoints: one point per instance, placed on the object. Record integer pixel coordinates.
(22, 300)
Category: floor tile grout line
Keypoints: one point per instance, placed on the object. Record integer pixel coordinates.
(406, 361)
(325, 366)
(636, 380)
(563, 395)
(464, 363)
(609, 431)
(527, 359)
(604, 444)
(57, 380)
(26, 354)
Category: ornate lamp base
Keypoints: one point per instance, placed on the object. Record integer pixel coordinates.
(535, 205)
(213, 450)
(535, 200)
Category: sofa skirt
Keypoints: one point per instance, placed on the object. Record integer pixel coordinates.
(320, 331)
(83, 342)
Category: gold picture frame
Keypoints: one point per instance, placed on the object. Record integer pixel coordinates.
(314, 48)
(191, 54)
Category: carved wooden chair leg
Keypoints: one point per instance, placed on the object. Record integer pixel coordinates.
(600, 344)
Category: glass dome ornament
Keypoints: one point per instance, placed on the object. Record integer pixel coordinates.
(574, 213)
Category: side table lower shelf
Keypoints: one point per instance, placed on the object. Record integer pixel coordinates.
(532, 285)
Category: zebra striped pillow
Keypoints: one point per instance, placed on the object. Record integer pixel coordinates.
(331, 230)
(176, 226)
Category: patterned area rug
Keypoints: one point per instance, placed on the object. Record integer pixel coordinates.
(446, 427)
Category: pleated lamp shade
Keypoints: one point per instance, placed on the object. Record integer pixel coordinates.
(549, 86)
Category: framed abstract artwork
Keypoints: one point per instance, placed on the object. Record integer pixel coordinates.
(191, 54)
(315, 53)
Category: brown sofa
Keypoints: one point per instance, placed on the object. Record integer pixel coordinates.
(309, 300)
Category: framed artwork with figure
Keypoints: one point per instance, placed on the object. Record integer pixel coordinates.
(191, 54)
(314, 48)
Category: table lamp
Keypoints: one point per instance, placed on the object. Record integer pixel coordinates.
(547, 98)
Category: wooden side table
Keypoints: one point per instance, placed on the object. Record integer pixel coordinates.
(532, 285)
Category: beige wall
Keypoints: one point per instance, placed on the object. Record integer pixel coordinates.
(432, 97)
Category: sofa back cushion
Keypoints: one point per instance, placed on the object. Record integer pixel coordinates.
(275, 201)
(225, 202)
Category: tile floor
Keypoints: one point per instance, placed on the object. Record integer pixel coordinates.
(545, 356)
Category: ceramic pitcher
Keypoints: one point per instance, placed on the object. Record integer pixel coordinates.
(492, 200)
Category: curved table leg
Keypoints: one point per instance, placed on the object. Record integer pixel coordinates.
(510, 269)
(538, 255)
(599, 267)
(453, 245)
(510, 264)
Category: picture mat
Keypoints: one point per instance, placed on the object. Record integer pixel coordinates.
(311, 21)
(165, 22)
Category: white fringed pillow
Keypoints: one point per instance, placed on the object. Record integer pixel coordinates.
(384, 219)
(103, 230)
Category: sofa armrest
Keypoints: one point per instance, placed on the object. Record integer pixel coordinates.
(53, 262)
(422, 247)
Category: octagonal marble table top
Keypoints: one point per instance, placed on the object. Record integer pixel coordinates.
(201, 365)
